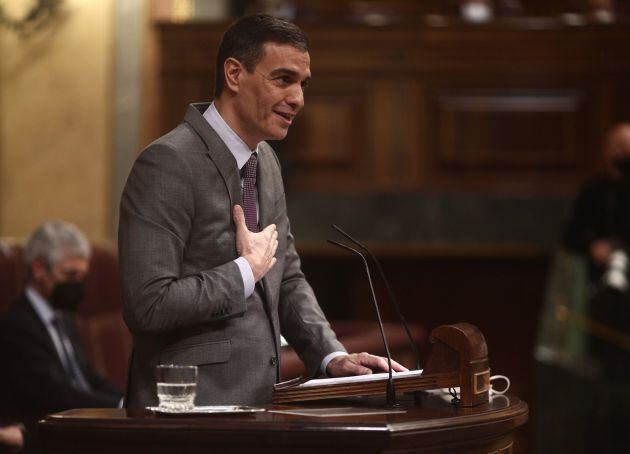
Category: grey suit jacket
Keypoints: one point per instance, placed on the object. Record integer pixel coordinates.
(183, 294)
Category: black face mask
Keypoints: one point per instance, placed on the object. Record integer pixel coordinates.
(623, 166)
(67, 295)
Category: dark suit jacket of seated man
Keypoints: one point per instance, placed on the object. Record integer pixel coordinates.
(44, 369)
(210, 272)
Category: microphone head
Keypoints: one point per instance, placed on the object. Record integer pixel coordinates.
(344, 246)
(347, 235)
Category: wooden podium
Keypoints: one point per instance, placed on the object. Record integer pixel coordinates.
(426, 422)
(434, 426)
(458, 358)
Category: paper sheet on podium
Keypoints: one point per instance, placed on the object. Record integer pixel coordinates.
(327, 388)
(357, 378)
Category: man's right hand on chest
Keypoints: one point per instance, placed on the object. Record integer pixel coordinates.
(258, 248)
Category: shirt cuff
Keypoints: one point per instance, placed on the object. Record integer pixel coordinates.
(247, 275)
(329, 357)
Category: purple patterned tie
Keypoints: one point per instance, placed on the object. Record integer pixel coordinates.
(249, 193)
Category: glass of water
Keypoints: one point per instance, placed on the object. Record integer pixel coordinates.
(176, 386)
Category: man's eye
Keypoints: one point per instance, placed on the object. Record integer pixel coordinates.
(283, 80)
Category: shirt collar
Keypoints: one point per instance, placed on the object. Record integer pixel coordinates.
(41, 306)
(235, 144)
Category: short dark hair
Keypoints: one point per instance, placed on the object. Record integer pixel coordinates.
(245, 38)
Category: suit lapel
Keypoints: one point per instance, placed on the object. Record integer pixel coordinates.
(266, 201)
(218, 152)
(39, 332)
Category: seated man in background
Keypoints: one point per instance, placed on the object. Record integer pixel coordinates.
(44, 368)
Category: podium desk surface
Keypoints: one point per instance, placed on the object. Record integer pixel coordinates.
(432, 426)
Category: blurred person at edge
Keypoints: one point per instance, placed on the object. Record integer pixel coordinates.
(600, 230)
(11, 438)
(44, 367)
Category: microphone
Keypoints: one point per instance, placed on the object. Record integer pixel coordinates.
(391, 390)
(413, 345)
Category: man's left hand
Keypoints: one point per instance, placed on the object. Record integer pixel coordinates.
(360, 364)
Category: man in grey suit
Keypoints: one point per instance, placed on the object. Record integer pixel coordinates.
(209, 268)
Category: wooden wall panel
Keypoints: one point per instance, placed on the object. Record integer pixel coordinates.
(502, 108)
(397, 132)
(506, 129)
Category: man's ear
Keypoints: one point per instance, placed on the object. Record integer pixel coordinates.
(39, 270)
(233, 72)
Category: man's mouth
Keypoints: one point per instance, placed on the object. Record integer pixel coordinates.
(288, 117)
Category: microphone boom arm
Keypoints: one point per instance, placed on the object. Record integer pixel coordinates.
(401, 317)
(391, 390)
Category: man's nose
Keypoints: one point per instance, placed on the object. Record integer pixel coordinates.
(296, 98)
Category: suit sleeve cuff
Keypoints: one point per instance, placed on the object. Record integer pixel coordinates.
(247, 275)
(329, 357)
